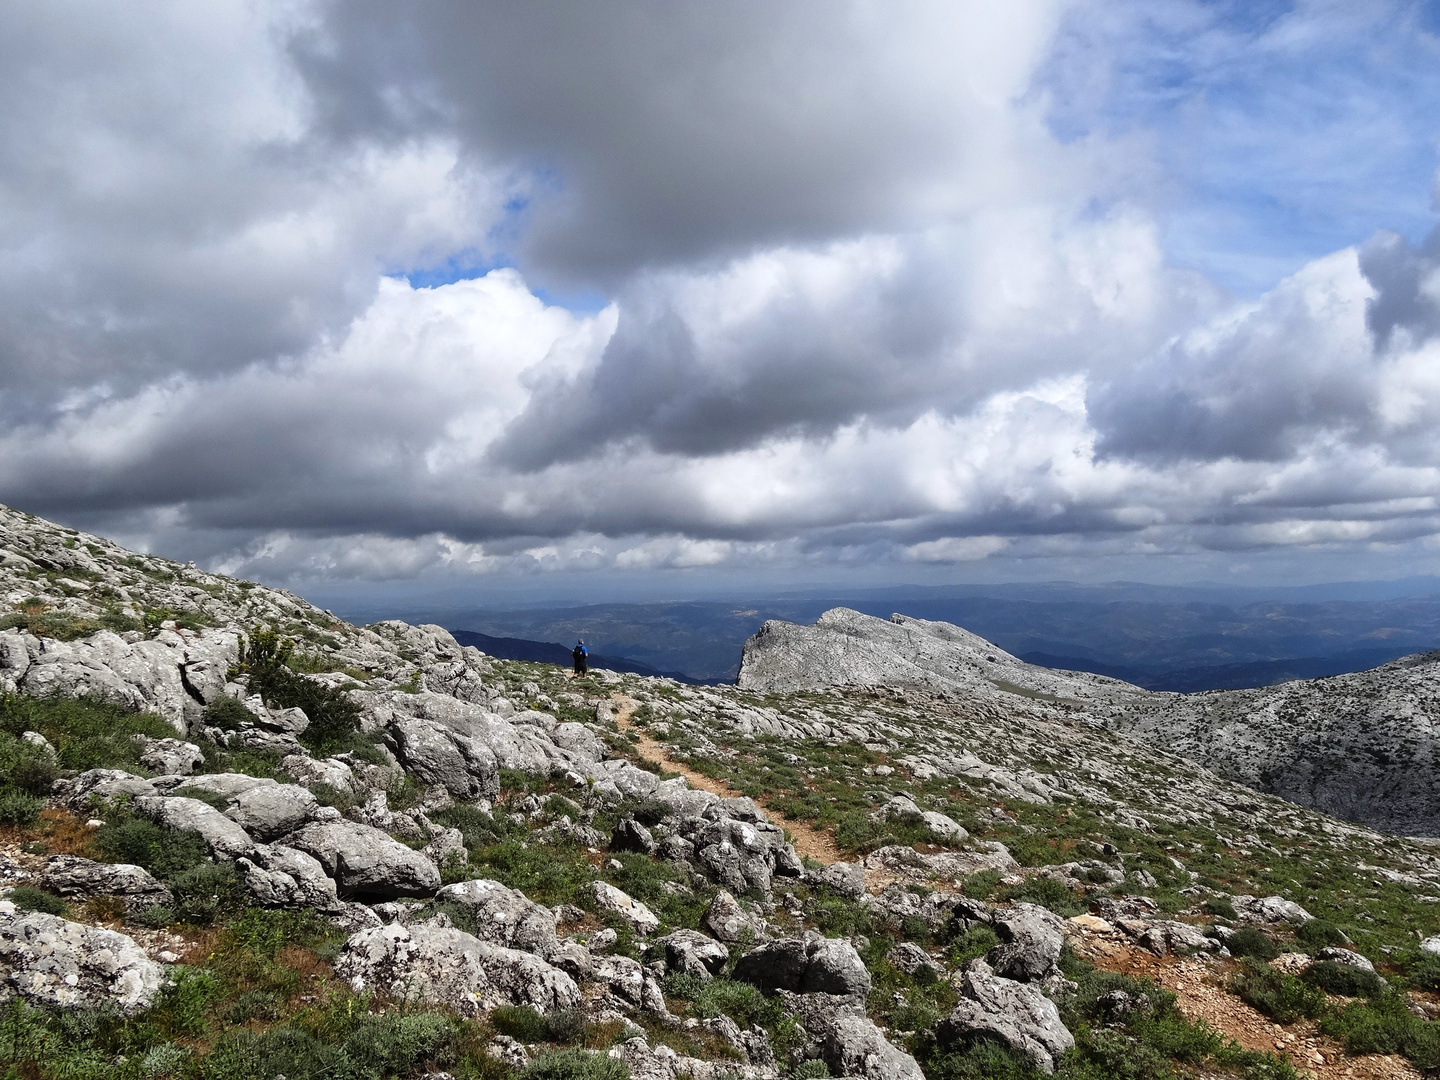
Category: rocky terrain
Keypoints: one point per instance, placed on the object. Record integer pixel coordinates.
(242, 838)
(1363, 747)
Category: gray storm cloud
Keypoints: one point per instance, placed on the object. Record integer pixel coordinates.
(844, 296)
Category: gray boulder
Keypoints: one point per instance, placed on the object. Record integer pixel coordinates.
(366, 862)
(1031, 939)
(436, 754)
(52, 962)
(807, 965)
(331, 772)
(172, 756)
(847, 879)
(225, 839)
(692, 953)
(838, 1032)
(72, 876)
(902, 807)
(438, 964)
(1018, 1015)
(267, 813)
(853, 1046)
(911, 959)
(617, 902)
(730, 922)
(227, 785)
(95, 787)
(629, 986)
(1271, 910)
(663, 1063)
(285, 877)
(504, 916)
(630, 835)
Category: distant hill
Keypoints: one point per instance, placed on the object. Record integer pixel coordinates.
(551, 652)
(1237, 676)
(1158, 637)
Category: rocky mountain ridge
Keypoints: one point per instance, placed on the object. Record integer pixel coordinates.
(1363, 747)
(491, 855)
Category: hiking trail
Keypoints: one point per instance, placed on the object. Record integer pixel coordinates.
(809, 841)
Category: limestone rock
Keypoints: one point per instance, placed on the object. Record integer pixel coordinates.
(630, 835)
(847, 879)
(1018, 1015)
(441, 965)
(95, 787)
(504, 916)
(902, 807)
(171, 756)
(617, 902)
(807, 965)
(268, 813)
(1031, 939)
(366, 862)
(280, 876)
(50, 961)
(1271, 910)
(692, 953)
(225, 839)
(730, 922)
(72, 876)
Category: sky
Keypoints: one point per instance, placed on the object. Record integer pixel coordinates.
(651, 296)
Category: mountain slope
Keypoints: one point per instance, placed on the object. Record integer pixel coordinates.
(1364, 746)
(387, 854)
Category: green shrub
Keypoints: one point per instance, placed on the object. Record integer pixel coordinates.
(227, 714)
(1342, 979)
(17, 809)
(983, 1060)
(362, 1047)
(1247, 941)
(166, 853)
(1422, 969)
(87, 733)
(1384, 1025)
(576, 1065)
(155, 916)
(1220, 908)
(814, 1069)
(1318, 933)
(981, 884)
(334, 718)
(740, 1001)
(207, 893)
(975, 942)
(29, 898)
(265, 932)
(1049, 893)
(520, 1022)
(1278, 995)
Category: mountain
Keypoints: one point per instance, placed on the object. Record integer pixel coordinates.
(1361, 746)
(1158, 637)
(242, 837)
(551, 652)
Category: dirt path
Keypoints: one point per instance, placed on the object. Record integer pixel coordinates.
(810, 843)
(1197, 984)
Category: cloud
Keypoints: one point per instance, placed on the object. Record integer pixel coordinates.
(673, 133)
(908, 285)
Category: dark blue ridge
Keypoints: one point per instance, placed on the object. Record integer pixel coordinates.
(1244, 675)
(550, 652)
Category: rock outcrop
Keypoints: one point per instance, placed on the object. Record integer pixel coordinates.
(53, 962)
(441, 965)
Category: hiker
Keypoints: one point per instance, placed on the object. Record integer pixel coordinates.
(579, 654)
